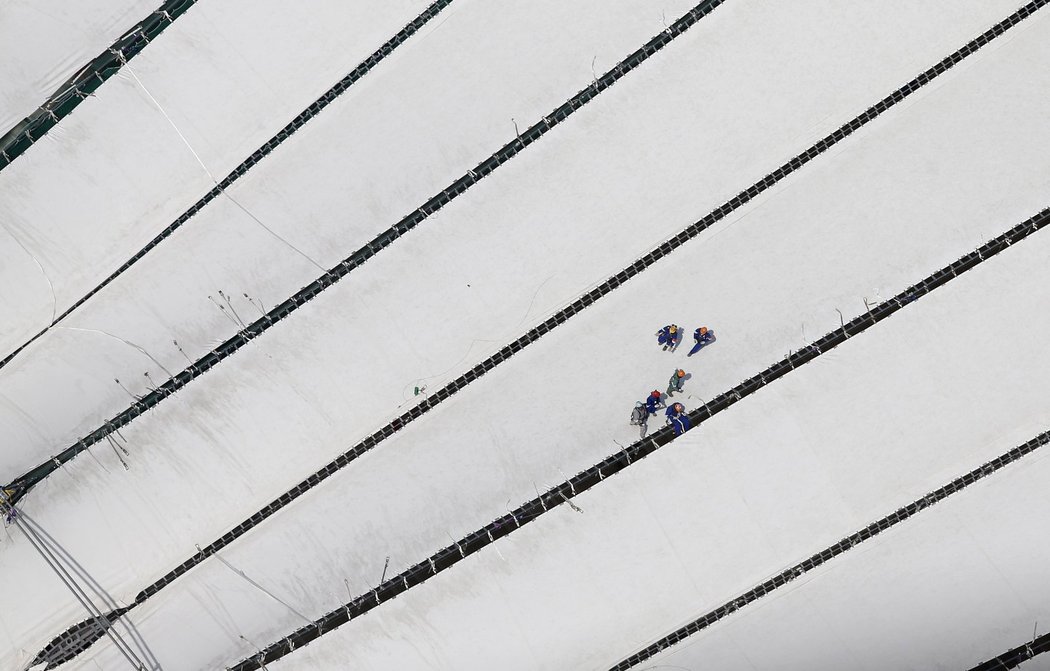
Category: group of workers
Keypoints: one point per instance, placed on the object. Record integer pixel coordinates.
(669, 337)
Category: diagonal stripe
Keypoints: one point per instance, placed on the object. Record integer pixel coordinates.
(24, 135)
(1014, 657)
(617, 462)
(566, 491)
(262, 152)
(370, 249)
(825, 555)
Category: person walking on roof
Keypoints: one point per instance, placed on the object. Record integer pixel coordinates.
(669, 336)
(678, 419)
(702, 336)
(676, 382)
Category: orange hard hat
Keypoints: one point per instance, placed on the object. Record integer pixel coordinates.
(681, 373)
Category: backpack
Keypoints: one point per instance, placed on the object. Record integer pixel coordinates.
(639, 414)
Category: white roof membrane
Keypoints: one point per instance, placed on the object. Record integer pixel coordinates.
(1038, 663)
(951, 588)
(114, 174)
(355, 170)
(515, 427)
(45, 42)
(844, 440)
(867, 427)
(167, 298)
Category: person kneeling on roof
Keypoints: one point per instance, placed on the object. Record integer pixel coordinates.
(678, 419)
(669, 336)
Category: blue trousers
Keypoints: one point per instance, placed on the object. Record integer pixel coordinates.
(697, 347)
(681, 424)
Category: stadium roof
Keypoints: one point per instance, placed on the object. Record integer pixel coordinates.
(322, 325)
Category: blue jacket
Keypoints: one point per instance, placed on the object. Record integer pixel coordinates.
(650, 404)
(703, 338)
(672, 413)
(664, 335)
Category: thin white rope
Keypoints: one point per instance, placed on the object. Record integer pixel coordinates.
(273, 232)
(171, 122)
(260, 587)
(123, 340)
(193, 151)
(47, 278)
